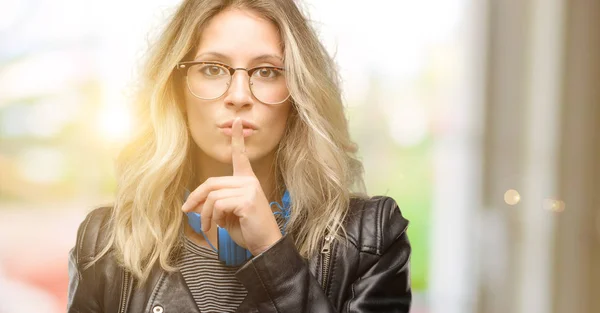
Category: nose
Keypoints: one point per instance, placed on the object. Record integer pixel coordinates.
(239, 95)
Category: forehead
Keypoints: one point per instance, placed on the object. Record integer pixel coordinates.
(240, 35)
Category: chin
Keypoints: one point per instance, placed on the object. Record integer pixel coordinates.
(223, 154)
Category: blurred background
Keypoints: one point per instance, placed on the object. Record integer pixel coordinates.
(480, 117)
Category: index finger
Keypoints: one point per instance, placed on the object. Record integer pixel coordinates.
(239, 160)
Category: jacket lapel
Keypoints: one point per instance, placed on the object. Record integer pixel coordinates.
(169, 294)
(246, 306)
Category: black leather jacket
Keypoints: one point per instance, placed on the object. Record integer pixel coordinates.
(368, 274)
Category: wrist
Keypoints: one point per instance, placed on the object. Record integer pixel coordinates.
(269, 243)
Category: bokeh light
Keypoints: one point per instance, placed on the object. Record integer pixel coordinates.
(554, 205)
(512, 197)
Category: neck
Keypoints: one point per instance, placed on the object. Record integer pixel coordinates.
(264, 169)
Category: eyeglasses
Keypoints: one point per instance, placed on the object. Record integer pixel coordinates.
(210, 80)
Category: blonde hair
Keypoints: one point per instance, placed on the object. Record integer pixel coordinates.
(315, 160)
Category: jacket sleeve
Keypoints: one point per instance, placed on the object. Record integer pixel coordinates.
(385, 287)
(81, 295)
(83, 286)
(279, 280)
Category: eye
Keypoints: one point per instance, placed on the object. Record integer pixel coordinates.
(267, 72)
(212, 70)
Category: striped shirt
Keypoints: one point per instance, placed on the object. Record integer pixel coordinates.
(213, 285)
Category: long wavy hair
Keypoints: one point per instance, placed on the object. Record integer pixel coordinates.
(315, 161)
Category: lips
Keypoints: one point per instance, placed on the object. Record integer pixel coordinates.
(248, 128)
(245, 124)
(229, 131)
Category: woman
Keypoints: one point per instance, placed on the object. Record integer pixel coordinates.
(241, 190)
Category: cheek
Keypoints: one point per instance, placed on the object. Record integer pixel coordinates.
(199, 121)
(199, 112)
(195, 117)
(279, 123)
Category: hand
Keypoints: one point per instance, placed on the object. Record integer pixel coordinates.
(236, 202)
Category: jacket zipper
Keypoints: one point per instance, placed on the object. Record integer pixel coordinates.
(124, 292)
(326, 252)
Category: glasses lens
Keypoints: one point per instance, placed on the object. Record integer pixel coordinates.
(208, 81)
(268, 85)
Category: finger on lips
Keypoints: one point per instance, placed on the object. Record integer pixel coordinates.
(214, 186)
(239, 160)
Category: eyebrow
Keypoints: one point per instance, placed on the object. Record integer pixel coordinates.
(263, 57)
